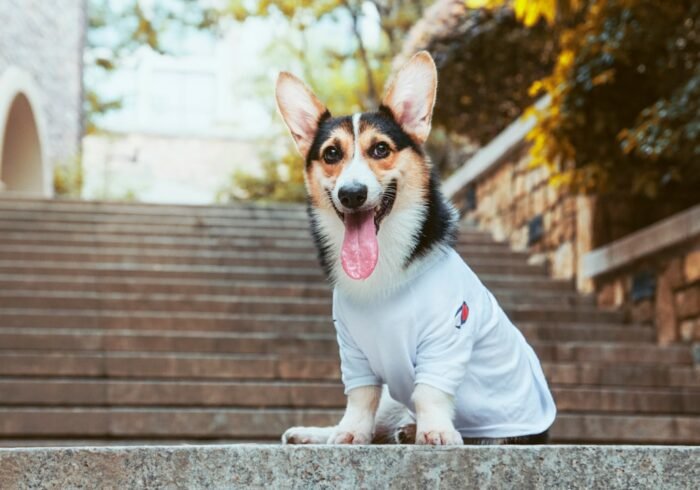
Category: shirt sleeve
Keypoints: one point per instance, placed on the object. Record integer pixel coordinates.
(354, 365)
(444, 351)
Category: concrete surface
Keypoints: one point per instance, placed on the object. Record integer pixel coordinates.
(260, 466)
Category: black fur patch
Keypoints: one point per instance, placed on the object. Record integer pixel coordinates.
(439, 226)
(383, 120)
(322, 247)
(326, 125)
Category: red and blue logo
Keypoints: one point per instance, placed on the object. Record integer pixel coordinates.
(461, 315)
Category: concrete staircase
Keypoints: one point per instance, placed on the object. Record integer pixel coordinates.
(147, 323)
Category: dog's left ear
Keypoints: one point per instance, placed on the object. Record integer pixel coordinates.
(411, 95)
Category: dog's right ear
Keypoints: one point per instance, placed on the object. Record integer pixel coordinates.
(300, 109)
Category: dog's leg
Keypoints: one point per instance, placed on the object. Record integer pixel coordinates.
(394, 423)
(357, 424)
(434, 414)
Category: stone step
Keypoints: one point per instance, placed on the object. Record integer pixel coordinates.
(268, 342)
(302, 260)
(281, 394)
(275, 221)
(618, 374)
(205, 243)
(285, 210)
(77, 442)
(193, 244)
(243, 273)
(158, 320)
(203, 367)
(593, 359)
(572, 428)
(41, 284)
(235, 317)
(58, 340)
(219, 303)
(172, 232)
(145, 285)
(263, 230)
(271, 423)
(168, 365)
(350, 467)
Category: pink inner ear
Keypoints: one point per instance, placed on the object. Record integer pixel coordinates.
(406, 113)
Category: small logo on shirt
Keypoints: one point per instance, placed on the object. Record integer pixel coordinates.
(461, 315)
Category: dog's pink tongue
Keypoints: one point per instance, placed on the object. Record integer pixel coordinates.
(360, 248)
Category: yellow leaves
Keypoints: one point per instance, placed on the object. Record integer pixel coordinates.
(565, 59)
(604, 77)
(536, 88)
(530, 11)
(483, 4)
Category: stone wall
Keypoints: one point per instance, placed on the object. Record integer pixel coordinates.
(515, 203)
(662, 289)
(44, 39)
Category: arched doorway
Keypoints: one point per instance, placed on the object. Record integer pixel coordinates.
(21, 165)
(24, 166)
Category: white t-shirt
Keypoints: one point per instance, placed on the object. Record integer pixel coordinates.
(443, 328)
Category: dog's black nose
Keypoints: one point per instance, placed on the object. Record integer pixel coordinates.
(353, 196)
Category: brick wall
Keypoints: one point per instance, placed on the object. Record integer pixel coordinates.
(45, 39)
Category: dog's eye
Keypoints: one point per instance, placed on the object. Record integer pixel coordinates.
(379, 151)
(332, 154)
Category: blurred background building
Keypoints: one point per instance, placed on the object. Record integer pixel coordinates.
(41, 93)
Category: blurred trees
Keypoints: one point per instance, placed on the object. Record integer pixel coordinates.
(346, 71)
(486, 64)
(624, 116)
(623, 77)
(116, 30)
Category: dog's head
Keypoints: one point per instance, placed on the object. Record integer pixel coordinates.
(363, 169)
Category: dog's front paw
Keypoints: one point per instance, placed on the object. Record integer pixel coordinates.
(350, 436)
(306, 435)
(439, 437)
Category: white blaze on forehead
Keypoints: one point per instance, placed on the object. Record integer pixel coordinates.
(356, 133)
(357, 170)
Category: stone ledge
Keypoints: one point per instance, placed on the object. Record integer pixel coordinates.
(672, 231)
(259, 466)
(491, 155)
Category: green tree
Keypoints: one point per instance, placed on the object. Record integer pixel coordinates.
(347, 77)
(624, 116)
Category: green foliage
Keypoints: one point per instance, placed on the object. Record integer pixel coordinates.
(624, 115)
(348, 75)
(485, 71)
(68, 178)
(346, 80)
(282, 179)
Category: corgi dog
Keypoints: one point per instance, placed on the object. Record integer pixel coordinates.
(427, 354)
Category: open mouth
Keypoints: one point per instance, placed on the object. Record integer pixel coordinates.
(360, 250)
